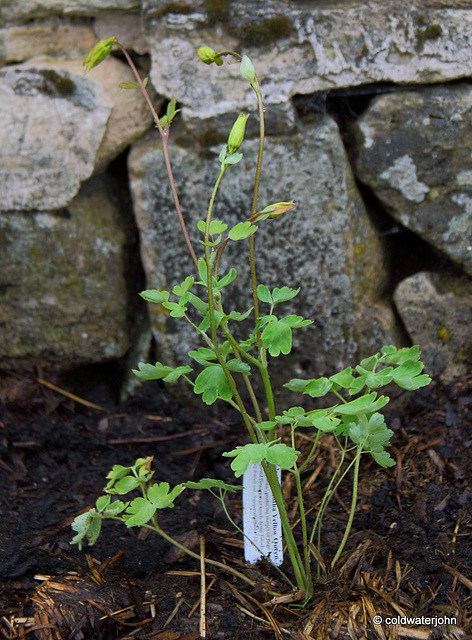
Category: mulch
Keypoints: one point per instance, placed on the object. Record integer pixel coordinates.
(409, 557)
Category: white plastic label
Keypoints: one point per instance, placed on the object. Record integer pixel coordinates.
(261, 519)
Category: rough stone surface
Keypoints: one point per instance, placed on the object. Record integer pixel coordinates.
(58, 126)
(127, 27)
(300, 48)
(52, 124)
(414, 153)
(14, 11)
(48, 37)
(327, 246)
(63, 294)
(437, 312)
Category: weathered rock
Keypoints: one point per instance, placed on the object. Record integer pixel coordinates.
(414, 153)
(437, 312)
(299, 48)
(62, 284)
(327, 246)
(126, 27)
(48, 37)
(26, 10)
(58, 126)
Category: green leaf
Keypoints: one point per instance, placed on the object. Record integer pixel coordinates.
(216, 227)
(177, 310)
(383, 458)
(266, 425)
(367, 403)
(242, 230)
(277, 337)
(124, 486)
(200, 305)
(357, 385)
(283, 294)
(182, 289)
(160, 372)
(391, 355)
(171, 111)
(161, 497)
(326, 423)
(152, 372)
(282, 455)
(244, 456)
(141, 510)
(227, 279)
(202, 270)
(155, 296)
(407, 375)
(210, 483)
(316, 387)
(238, 367)
(378, 379)
(372, 436)
(102, 502)
(264, 294)
(212, 384)
(238, 316)
(233, 158)
(88, 526)
(344, 378)
(202, 355)
(177, 373)
(128, 85)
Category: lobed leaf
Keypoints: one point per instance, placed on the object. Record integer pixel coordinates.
(213, 384)
(242, 230)
(210, 483)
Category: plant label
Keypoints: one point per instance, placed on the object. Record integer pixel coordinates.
(261, 519)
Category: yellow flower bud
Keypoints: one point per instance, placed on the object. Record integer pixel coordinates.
(98, 53)
(236, 135)
(274, 210)
(208, 55)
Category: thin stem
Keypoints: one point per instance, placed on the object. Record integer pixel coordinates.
(347, 530)
(211, 311)
(165, 147)
(295, 558)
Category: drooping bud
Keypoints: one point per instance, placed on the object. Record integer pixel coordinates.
(209, 55)
(98, 53)
(236, 135)
(274, 210)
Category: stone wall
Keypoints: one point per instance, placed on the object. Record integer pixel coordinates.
(369, 118)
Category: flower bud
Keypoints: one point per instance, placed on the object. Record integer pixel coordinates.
(208, 55)
(98, 53)
(236, 135)
(274, 210)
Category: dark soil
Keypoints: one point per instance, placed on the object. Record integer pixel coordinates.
(410, 552)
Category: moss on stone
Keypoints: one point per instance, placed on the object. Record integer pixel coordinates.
(265, 32)
(57, 84)
(174, 7)
(217, 10)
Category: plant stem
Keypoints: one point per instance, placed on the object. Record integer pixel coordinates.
(296, 560)
(165, 147)
(352, 512)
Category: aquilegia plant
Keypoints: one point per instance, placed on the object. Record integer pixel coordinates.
(225, 366)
